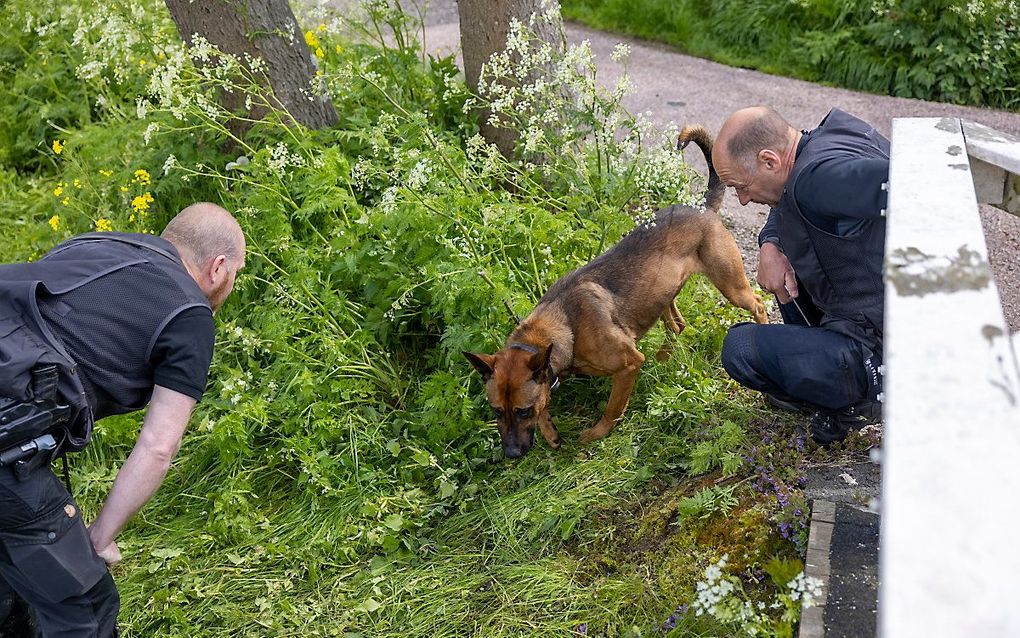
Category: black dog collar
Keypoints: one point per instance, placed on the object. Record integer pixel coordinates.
(554, 381)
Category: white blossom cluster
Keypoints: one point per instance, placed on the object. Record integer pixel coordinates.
(722, 597)
(807, 588)
(550, 96)
(714, 589)
(233, 388)
(280, 158)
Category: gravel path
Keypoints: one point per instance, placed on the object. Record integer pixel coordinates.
(673, 87)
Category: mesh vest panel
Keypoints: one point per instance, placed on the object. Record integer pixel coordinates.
(109, 325)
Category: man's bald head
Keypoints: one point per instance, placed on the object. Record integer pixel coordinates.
(752, 129)
(203, 231)
(211, 245)
(754, 154)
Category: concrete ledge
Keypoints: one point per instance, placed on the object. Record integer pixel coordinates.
(816, 565)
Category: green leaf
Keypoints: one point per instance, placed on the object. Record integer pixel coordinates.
(394, 522)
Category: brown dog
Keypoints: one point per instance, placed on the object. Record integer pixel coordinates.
(590, 320)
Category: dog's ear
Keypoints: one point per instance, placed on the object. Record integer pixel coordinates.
(482, 363)
(539, 364)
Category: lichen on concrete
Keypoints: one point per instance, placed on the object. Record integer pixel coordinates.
(916, 273)
(948, 124)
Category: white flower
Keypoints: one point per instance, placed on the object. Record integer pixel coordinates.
(389, 199)
(279, 156)
(150, 130)
(620, 52)
(170, 162)
(419, 176)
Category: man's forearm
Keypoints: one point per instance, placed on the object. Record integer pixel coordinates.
(139, 478)
(146, 466)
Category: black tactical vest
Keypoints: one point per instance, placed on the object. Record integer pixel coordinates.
(95, 305)
(843, 274)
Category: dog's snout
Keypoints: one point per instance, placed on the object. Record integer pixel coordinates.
(514, 449)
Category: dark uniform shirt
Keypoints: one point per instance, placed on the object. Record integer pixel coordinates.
(837, 195)
(183, 352)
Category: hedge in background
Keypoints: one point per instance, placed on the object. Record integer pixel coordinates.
(965, 52)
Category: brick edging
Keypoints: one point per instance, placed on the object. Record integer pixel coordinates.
(816, 565)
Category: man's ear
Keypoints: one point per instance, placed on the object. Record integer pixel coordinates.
(482, 363)
(218, 268)
(769, 158)
(539, 363)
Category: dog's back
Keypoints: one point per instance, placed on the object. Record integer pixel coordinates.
(653, 261)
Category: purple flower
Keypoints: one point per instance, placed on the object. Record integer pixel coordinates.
(582, 629)
(677, 614)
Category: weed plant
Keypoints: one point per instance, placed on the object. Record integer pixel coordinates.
(959, 51)
(340, 477)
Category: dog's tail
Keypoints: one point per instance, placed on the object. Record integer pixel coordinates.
(700, 136)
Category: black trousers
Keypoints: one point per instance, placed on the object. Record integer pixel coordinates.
(801, 362)
(47, 558)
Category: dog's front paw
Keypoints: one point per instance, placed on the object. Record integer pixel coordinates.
(591, 434)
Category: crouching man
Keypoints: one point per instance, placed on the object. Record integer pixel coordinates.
(103, 324)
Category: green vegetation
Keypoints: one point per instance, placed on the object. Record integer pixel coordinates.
(960, 51)
(341, 477)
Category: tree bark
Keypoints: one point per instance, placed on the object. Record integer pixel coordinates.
(263, 29)
(484, 26)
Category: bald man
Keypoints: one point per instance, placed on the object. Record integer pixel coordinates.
(821, 254)
(103, 324)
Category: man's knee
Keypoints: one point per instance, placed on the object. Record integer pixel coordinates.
(739, 355)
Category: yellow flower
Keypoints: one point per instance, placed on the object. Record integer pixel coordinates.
(131, 218)
(55, 223)
(322, 27)
(59, 190)
(103, 225)
(310, 39)
(77, 183)
(123, 189)
(141, 62)
(319, 53)
(141, 176)
(105, 173)
(141, 203)
(65, 201)
(339, 49)
(57, 147)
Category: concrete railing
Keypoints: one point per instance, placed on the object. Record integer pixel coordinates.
(950, 530)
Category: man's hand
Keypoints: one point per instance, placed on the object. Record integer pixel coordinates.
(110, 553)
(775, 274)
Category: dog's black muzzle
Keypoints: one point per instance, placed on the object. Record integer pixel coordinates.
(516, 448)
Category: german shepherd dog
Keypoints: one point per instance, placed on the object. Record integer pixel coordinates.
(590, 320)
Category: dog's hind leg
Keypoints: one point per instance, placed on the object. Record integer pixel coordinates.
(623, 385)
(725, 269)
(674, 324)
(545, 424)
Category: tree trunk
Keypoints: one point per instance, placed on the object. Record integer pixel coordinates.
(263, 29)
(484, 26)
